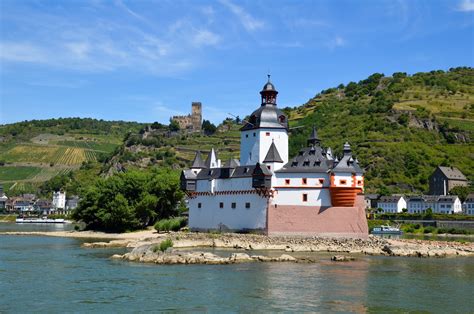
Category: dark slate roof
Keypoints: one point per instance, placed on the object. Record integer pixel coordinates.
(309, 159)
(416, 198)
(231, 163)
(470, 197)
(273, 155)
(267, 116)
(447, 198)
(189, 174)
(198, 162)
(390, 198)
(216, 173)
(262, 169)
(452, 173)
(371, 196)
(347, 162)
(313, 138)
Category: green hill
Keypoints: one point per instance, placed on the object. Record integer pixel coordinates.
(400, 127)
(32, 152)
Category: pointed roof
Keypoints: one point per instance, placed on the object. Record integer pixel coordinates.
(211, 161)
(198, 162)
(273, 155)
(313, 138)
(231, 163)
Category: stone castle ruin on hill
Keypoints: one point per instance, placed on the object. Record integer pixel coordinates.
(191, 122)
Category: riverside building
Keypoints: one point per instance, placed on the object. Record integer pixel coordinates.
(313, 193)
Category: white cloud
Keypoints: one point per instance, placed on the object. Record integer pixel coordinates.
(22, 52)
(248, 21)
(466, 6)
(336, 42)
(79, 49)
(205, 38)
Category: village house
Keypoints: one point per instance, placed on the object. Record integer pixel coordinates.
(43, 206)
(72, 203)
(469, 205)
(313, 193)
(3, 200)
(371, 200)
(449, 204)
(392, 204)
(444, 179)
(59, 200)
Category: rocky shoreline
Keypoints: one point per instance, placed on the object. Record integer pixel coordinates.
(251, 242)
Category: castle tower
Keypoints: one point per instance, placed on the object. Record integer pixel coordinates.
(266, 125)
(196, 116)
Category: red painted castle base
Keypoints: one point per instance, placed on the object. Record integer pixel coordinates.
(318, 221)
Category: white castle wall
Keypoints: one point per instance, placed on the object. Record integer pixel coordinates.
(292, 194)
(210, 216)
(254, 145)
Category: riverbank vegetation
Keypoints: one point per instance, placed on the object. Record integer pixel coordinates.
(171, 224)
(131, 200)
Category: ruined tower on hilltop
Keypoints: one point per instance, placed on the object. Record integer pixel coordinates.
(191, 122)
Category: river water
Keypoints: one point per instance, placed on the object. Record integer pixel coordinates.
(46, 274)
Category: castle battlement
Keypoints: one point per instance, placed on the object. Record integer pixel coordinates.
(193, 121)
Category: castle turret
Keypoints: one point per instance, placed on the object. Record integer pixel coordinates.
(265, 126)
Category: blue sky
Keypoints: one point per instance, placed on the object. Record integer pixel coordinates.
(147, 60)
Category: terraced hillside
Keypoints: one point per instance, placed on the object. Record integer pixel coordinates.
(36, 151)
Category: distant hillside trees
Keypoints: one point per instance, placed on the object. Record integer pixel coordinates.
(130, 201)
(208, 127)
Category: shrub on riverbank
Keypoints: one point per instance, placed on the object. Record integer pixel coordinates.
(163, 246)
(130, 201)
(171, 224)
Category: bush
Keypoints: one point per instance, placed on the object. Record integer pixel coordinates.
(429, 229)
(163, 246)
(172, 224)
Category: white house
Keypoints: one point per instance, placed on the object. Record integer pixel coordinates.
(59, 200)
(449, 204)
(469, 205)
(392, 204)
(312, 193)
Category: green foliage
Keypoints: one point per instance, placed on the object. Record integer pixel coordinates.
(130, 201)
(8, 173)
(171, 224)
(163, 246)
(208, 127)
(462, 191)
(174, 125)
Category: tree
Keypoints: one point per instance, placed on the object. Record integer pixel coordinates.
(404, 210)
(208, 127)
(174, 125)
(130, 201)
(461, 191)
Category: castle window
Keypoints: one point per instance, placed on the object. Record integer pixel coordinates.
(321, 181)
(287, 181)
(343, 182)
(267, 133)
(247, 205)
(199, 205)
(246, 135)
(269, 167)
(233, 205)
(359, 182)
(305, 197)
(221, 205)
(304, 181)
(282, 119)
(254, 134)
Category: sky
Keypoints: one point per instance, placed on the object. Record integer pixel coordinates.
(147, 60)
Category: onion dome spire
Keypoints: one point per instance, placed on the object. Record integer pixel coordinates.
(269, 93)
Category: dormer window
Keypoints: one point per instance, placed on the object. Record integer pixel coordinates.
(282, 119)
(301, 152)
(294, 163)
(306, 163)
(246, 170)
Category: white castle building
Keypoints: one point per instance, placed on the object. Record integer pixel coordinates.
(313, 193)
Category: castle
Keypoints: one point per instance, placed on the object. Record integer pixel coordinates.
(314, 193)
(192, 122)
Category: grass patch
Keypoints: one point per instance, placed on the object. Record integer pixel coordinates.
(18, 173)
(163, 246)
(171, 224)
